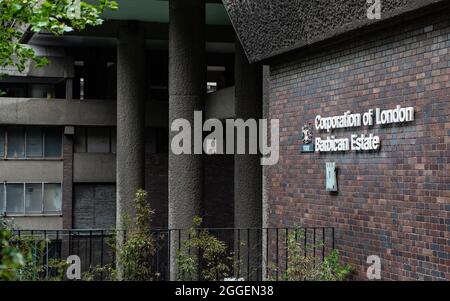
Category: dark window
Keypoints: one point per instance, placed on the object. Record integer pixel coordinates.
(95, 140)
(34, 142)
(80, 140)
(14, 198)
(16, 142)
(53, 141)
(98, 140)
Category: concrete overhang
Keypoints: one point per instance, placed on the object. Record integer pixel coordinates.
(268, 28)
(154, 14)
(158, 11)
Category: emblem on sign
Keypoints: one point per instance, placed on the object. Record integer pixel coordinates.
(307, 134)
(307, 138)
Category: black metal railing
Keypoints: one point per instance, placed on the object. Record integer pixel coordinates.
(257, 253)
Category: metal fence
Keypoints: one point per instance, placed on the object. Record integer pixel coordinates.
(255, 254)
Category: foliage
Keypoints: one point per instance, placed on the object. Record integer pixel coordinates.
(333, 270)
(54, 16)
(22, 258)
(202, 247)
(135, 252)
(11, 260)
(304, 266)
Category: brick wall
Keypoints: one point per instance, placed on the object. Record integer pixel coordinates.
(67, 184)
(394, 203)
(94, 206)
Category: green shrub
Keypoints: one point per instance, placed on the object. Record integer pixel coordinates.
(135, 253)
(11, 260)
(202, 247)
(304, 266)
(22, 258)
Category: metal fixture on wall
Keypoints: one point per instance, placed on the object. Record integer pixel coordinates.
(331, 179)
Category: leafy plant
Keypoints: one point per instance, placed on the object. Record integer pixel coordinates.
(135, 252)
(54, 16)
(11, 259)
(23, 258)
(202, 253)
(304, 266)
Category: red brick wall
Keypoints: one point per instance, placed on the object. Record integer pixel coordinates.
(67, 184)
(394, 203)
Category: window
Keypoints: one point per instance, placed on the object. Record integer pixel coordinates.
(98, 140)
(30, 198)
(53, 142)
(52, 197)
(95, 140)
(2, 142)
(14, 198)
(80, 140)
(2, 198)
(16, 142)
(156, 140)
(33, 197)
(34, 142)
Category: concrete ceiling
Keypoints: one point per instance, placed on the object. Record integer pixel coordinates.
(158, 11)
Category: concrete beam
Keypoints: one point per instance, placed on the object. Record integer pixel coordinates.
(31, 171)
(36, 111)
(94, 168)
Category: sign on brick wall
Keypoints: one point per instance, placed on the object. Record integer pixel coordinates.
(348, 120)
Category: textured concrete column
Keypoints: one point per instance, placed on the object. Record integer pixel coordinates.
(130, 117)
(187, 86)
(265, 176)
(247, 168)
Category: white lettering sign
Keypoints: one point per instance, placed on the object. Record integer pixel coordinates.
(364, 142)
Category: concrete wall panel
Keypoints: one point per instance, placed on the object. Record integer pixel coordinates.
(94, 167)
(31, 171)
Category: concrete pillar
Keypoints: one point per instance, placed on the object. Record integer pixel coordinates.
(130, 117)
(187, 86)
(247, 168)
(265, 177)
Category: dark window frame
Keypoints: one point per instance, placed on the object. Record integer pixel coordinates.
(84, 130)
